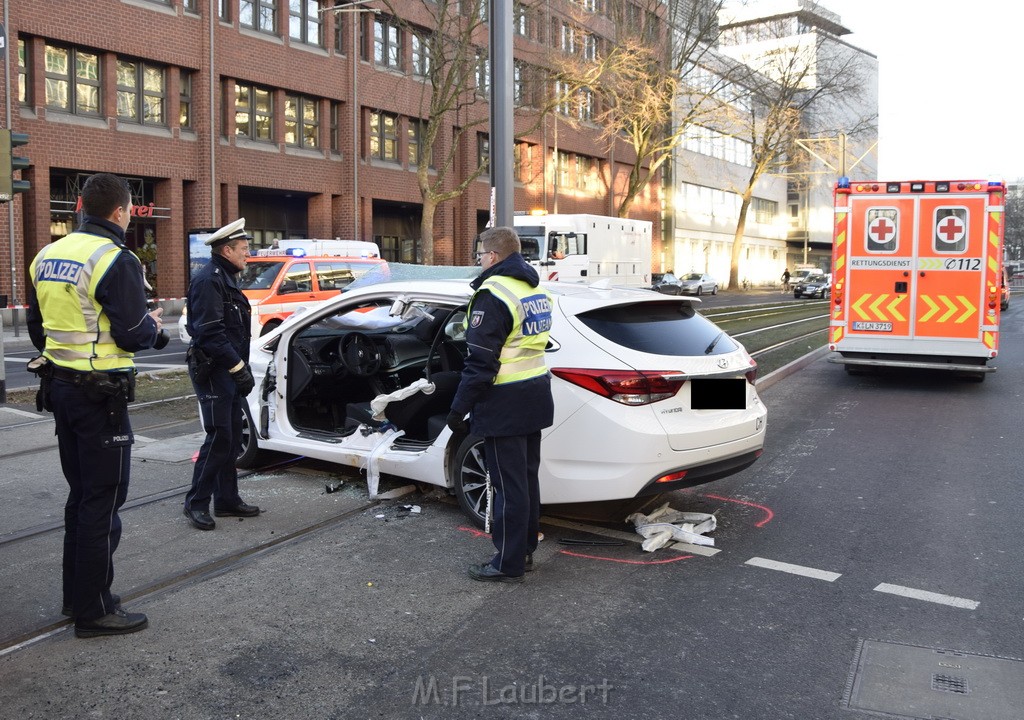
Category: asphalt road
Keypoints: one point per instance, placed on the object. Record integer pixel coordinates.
(869, 563)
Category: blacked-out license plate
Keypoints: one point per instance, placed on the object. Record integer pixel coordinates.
(718, 394)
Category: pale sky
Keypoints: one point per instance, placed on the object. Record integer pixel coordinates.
(951, 95)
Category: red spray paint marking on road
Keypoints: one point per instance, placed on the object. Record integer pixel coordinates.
(768, 513)
(627, 562)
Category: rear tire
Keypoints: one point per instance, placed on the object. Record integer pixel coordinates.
(469, 474)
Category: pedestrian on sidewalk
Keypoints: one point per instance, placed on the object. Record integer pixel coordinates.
(506, 388)
(218, 365)
(785, 280)
(87, 315)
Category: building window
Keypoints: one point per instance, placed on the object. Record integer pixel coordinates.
(185, 99)
(301, 121)
(522, 159)
(765, 211)
(72, 80)
(387, 43)
(416, 133)
(340, 43)
(420, 55)
(258, 14)
(304, 22)
(483, 152)
(141, 93)
(222, 10)
(22, 73)
(384, 136)
(584, 172)
(520, 20)
(562, 168)
(335, 127)
(191, 5)
(483, 74)
(254, 112)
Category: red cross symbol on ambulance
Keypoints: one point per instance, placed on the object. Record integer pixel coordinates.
(882, 230)
(950, 229)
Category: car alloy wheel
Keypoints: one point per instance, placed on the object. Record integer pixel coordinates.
(469, 479)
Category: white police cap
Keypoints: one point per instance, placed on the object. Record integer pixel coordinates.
(234, 230)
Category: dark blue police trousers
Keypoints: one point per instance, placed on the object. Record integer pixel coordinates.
(95, 456)
(512, 463)
(214, 474)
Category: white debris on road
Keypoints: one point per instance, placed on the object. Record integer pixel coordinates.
(665, 525)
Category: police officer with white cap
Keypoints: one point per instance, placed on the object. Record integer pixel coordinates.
(218, 364)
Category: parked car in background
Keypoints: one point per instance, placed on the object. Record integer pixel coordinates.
(814, 285)
(666, 283)
(650, 396)
(278, 283)
(698, 284)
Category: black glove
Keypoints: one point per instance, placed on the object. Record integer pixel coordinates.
(243, 380)
(457, 422)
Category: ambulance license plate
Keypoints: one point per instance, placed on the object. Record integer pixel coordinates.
(718, 394)
(873, 326)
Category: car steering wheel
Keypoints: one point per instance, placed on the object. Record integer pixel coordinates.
(359, 354)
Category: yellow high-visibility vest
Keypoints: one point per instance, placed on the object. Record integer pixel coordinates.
(65, 275)
(522, 355)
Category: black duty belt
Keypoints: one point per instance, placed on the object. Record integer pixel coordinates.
(78, 377)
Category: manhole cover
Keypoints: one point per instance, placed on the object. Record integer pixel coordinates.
(922, 683)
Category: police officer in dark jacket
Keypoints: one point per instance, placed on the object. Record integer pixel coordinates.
(506, 388)
(218, 363)
(87, 315)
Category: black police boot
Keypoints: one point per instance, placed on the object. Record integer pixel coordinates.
(200, 519)
(485, 572)
(241, 510)
(119, 622)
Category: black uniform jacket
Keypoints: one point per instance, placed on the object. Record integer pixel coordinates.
(120, 292)
(218, 314)
(517, 408)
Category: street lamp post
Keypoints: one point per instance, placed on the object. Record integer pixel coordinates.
(356, 11)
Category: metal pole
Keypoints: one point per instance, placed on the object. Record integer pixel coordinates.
(10, 205)
(502, 132)
(354, 52)
(213, 134)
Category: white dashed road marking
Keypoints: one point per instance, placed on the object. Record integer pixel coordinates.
(928, 596)
(794, 569)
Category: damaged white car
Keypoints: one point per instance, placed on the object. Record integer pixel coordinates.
(649, 395)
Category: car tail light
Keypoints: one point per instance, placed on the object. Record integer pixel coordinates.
(628, 387)
(751, 374)
(672, 477)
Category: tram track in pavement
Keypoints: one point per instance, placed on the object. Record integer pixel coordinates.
(139, 502)
(197, 573)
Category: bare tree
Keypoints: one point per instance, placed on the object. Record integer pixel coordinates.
(788, 89)
(448, 53)
(1013, 231)
(633, 85)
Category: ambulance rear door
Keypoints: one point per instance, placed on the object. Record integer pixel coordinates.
(880, 267)
(951, 264)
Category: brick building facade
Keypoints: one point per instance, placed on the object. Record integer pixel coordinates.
(301, 119)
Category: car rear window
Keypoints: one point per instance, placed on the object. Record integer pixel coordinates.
(659, 328)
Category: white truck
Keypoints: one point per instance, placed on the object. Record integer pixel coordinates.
(584, 248)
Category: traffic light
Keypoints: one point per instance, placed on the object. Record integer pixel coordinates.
(10, 164)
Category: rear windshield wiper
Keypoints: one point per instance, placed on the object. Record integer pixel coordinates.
(709, 348)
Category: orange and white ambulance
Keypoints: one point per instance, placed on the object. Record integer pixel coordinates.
(916, 274)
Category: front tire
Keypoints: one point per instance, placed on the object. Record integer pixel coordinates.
(469, 478)
(698, 291)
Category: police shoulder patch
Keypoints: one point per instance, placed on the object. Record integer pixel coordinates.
(476, 318)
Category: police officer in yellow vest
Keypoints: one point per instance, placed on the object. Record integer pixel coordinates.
(87, 314)
(506, 388)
